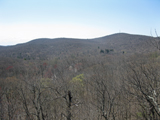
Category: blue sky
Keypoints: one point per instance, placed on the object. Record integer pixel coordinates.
(24, 20)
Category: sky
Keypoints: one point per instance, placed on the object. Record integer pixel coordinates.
(24, 20)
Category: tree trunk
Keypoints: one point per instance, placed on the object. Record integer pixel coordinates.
(1, 109)
(69, 106)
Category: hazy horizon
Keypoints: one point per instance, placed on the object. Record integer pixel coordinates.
(22, 21)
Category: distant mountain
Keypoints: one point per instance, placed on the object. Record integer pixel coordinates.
(45, 48)
(127, 42)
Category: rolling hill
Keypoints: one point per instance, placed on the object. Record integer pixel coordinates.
(45, 48)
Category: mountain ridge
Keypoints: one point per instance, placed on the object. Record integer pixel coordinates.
(58, 47)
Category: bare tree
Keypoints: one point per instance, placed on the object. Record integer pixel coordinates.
(142, 82)
(106, 92)
(155, 42)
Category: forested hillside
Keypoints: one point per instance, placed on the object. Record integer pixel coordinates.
(45, 48)
(114, 77)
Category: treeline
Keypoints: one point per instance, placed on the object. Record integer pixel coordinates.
(86, 88)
